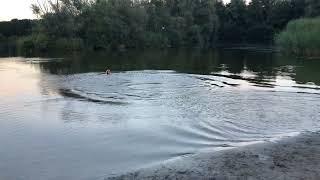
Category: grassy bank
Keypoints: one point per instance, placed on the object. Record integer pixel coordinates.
(301, 38)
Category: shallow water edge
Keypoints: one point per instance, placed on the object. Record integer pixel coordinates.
(295, 157)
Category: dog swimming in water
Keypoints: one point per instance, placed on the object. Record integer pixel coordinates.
(108, 71)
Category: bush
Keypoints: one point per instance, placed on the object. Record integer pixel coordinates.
(25, 44)
(32, 43)
(41, 42)
(70, 44)
(301, 37)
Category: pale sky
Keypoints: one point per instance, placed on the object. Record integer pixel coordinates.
(19, 9)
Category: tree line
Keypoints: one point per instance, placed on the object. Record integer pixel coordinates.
(110, 24)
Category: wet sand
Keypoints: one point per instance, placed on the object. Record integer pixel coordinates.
(290, 158)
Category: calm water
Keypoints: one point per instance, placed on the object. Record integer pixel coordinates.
(61, 118)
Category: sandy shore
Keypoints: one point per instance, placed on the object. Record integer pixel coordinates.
(288, 159)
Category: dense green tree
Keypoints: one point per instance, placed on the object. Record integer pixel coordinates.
(118, 24)
(233, 28)
(16, 27)
(207, 20)
(285, 10)
(256, 22)
(260, 29)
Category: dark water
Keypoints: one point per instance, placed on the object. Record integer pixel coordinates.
(61, 118)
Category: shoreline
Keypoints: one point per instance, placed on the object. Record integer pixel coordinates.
(296, 157)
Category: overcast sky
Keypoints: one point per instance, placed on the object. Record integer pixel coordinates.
(19, 9)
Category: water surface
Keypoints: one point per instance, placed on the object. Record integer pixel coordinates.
(62, 118)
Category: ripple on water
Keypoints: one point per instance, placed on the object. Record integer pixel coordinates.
(129, 119)
(91, 97)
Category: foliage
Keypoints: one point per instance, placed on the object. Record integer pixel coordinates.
(301, 37)
(118, 24)
(16, 27)
(105, 24)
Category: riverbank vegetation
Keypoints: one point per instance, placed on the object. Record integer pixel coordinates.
(119, 24)
(12, 31)
(301, 37)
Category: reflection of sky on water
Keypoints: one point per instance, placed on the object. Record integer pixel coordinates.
(12, 80)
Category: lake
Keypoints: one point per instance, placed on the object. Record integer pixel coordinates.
(61, 117)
